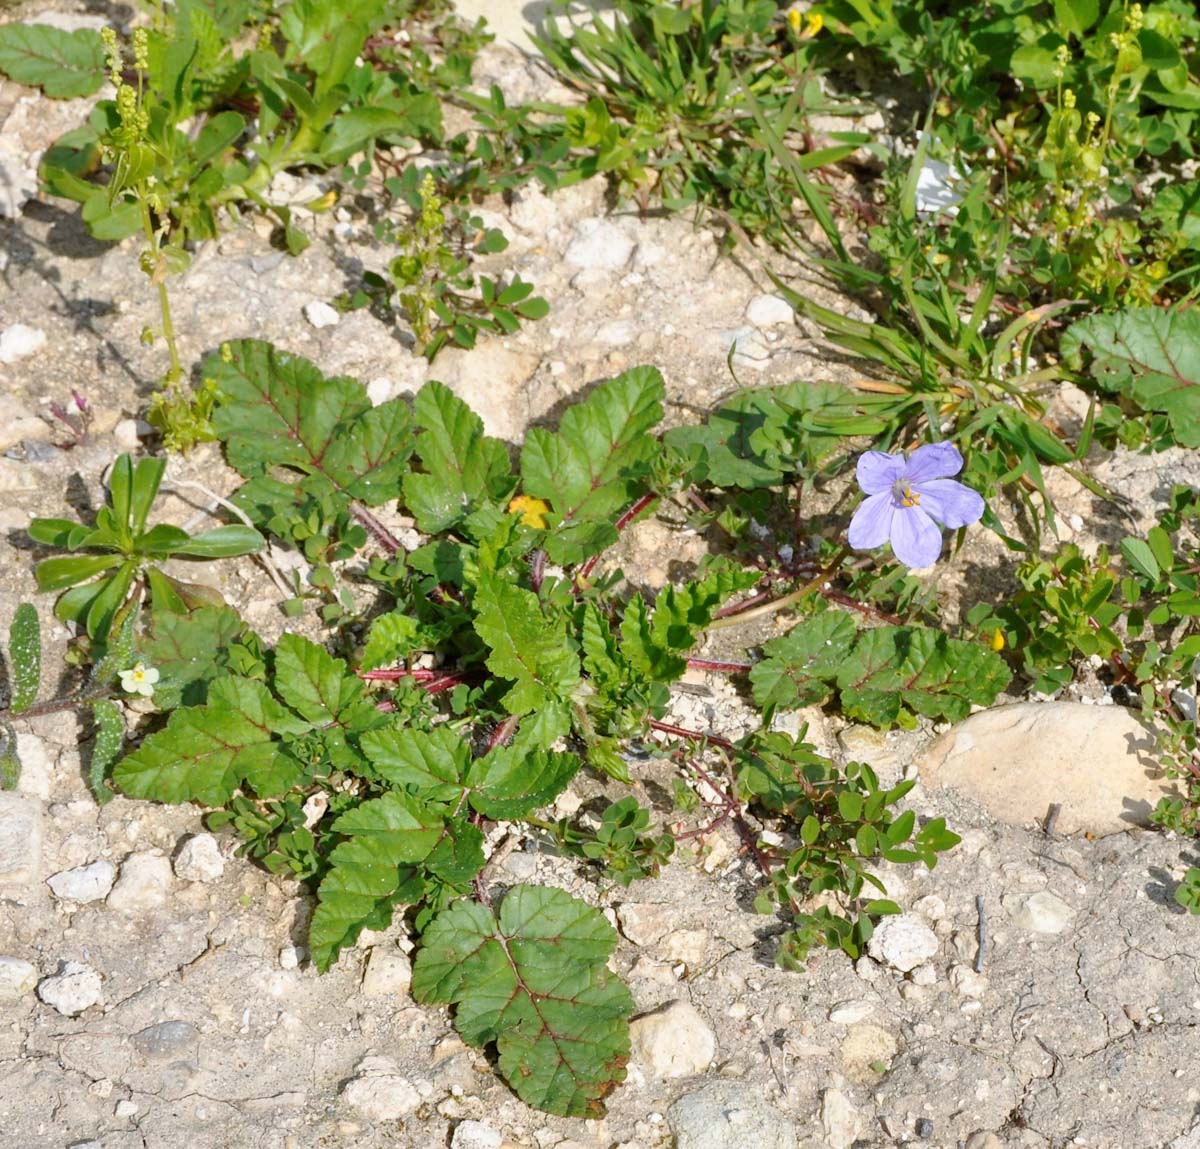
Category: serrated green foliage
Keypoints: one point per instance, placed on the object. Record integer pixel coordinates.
(1150, 355)
(64, 64)
(623, 845)
(534, 982)
(510, 781)
(276, 410)
(526, 648)
(881, 675)
(430, 764)
(460, 464)
(190, 649)
(312, 682)
(206, 752)
(595, 465)
(24, 657)
(10, 764)
(107, 743)
(371, 872)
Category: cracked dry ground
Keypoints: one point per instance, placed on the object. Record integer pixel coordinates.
(201, 1025)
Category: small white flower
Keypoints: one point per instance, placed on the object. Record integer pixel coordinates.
(139, 679)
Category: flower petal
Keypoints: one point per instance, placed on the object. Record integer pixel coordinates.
(877, 471)
(951, 503)
(916, 539)
(933, 461)
(871, 525)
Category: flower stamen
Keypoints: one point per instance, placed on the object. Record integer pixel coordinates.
(907, 496)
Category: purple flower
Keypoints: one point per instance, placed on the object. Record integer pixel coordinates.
(908, 498)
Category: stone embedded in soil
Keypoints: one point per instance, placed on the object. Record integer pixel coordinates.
(166, 1039)
(84, 883)
(903, 942)
(839, 1120)
(491, 380)
(967, 982)
(17, 977)
(20, 840)
(674, 1041)
(199, 859)
(74, 988)
(645, 923)
(388, 973)
(726, 1113)
(18, 341)
(1016, 761)
(143, 885)
(850, 1012)
(1041, 913)
(379, 1092)
(867, 1050)
(599, 244)
(475, 1135)
(769, 311)
(984, 1140)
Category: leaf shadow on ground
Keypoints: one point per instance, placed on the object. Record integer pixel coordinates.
(1163, 885)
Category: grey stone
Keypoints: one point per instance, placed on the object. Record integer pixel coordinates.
(19, 341)
(839, 1120)
(20, 840)
(379, 1093)
(903, 942)
(475, 1135)
(726, 1113)
(83, 884)
(73, 989)
(1095, 762)
(166, 1039)
(599, 244)
(769, 311)
(199, 859)
(1041, 913)
(674, 1041)
(17, 977)
(143, 884)
(388, 973)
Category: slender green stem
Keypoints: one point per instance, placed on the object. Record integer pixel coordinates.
(164, 303)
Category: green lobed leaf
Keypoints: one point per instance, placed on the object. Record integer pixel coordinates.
(430, 763)
(24, 657)
(510, 782)
(596, 463)
(461, 464)
(206, 752)
(277, 410)
(799, 667)
(371, 872)
(191, 649)
(1149, 354)
(63, 64)
(526, 648)
(535, 983)
(312, 682)
(892, 667)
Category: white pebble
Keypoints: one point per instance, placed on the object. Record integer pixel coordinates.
(73, 989)
(320, 314)
(903, 942)
(84, 883)
(199, 859)
(17, 977)
(769, 311)
(19, 342)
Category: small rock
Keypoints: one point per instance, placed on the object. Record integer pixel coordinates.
(18, 183)
(725, 1113)
(769, 311)
(838, 1119)
(748, 347)
(166, 1039)
(73, 989)
(17, 977)
(491, 379)
(983, 1140)
(521, 865)
(125, 1108)
(289, 957)
(199, 859)
(674, 1041)
(125, 434)
(18, 425)
(1043, 912)
(378, 1092)
(143, 885)
(20, 840)
(967, 982)
(902, 942)
(475, 1135)
(599, 243)
(388, 973)
(19, 341)
(1096, 763)
(924, 975)
(320, 314)
(931, 906)
(850, 1012)
(380, 390)
(687, 946)
(84, 883)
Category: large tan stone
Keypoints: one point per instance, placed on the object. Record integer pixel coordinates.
(1096, 762)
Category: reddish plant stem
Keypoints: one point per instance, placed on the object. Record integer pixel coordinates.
(537, 570)
(375, 528)
(691, 735)
(718, 666)
(862, 607)
(746, 603)
(503, 733)
(632, 513)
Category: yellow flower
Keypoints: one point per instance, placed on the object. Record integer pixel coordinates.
(804, 25)
(998, 639)
(532, 511)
